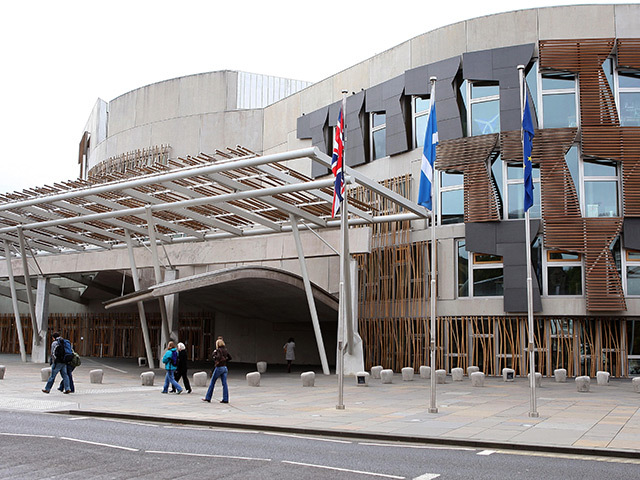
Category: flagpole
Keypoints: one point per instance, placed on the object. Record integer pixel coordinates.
(344, 304)
(533, 412)
(432, 301)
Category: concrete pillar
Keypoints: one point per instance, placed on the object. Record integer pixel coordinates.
(173, 304)
(40, 350)
(477, 379)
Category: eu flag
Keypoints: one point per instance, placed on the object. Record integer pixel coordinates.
(428, 159)
(527, 145)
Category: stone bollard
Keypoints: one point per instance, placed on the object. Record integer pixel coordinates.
(441, 376)
(538, 378)
(362, 379)
(200, 379)
(472, 369)
(375, 371)
(508, 374)
(425, 371)
(582, 383)
(602, 378)
(253, 379)
(142, 361)
(147, 378)
(308, 379)
(560, 375)
(2, 370)
(407, 374)
(45, 373)
(95, 376)
(636, 384)
(262, 367)
(386, 376)
(457, 374)
(477, 379)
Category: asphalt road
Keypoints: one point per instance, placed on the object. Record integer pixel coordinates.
(39, 446)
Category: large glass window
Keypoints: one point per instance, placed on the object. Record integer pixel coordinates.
(600, 188)
(515, 191)
(564, 273)
(559, 99)
(479, 274)
(420, 108)
(484, 108)
(632, 266)
(378, 138)
(633, 342)
(629, 98)
(451, 197)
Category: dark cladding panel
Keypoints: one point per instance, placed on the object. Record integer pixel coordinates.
(481, 237)
(477, 65)
(355, 132)
(397, 119)
(631, 233)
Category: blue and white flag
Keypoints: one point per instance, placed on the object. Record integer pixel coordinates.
(527, 146)
(428, 159)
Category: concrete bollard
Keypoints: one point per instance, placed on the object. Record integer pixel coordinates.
(477, 379)
(142, 361)
(441, 376)
(200, 379)
(308, 379)
(95, 376)
(375, 371)
(472, 369)
(407, 374)
(425, 371)
(538, 378)
(583, 383)
(45, 373)
(602, 378)
(2, 370)
(560, 374)
(362, 379)
(636, 384)
(508, 375)
(457, 374)
(253, 379)
(147, 378)
(386, 376)
(262, 367)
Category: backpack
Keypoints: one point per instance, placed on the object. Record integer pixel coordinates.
(174, 358)
(76, 361)
(68, 351)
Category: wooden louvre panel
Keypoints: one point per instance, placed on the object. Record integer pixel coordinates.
(628, 52)
(469, 156)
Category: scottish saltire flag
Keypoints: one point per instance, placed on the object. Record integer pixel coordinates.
(527, 146)
(428, 159)
(336, 166)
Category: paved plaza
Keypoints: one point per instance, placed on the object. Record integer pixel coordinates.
(604, 421)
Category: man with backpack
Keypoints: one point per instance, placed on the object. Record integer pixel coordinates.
(58, 364)
(170, 360)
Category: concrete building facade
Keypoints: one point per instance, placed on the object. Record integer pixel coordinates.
(582, 78)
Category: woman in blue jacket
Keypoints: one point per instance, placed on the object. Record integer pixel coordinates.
(171, 356)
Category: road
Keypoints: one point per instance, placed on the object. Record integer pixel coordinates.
(39, 446)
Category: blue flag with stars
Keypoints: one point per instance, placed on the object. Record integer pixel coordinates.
(527, 146)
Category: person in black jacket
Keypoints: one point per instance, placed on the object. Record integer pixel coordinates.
(220, 357)
(181, 372)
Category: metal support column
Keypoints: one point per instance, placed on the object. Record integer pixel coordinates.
(27, 282)
(151, 226)
(309, 292)
(143, 317)
(14, 302)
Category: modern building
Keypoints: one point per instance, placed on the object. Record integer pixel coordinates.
(212, 193)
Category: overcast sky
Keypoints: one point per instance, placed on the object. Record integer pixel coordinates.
(58, 57)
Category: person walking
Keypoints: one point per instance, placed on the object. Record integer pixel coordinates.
(220, 357)
(58, 365)
(170, 360)
(181, 372)
(289, 353)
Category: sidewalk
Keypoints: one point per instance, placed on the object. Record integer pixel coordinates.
(605, 421)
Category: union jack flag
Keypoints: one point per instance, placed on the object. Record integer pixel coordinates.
(336, 165)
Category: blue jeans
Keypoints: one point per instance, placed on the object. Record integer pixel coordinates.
(169, 379)
(70, 369)
(219, 372)
(62, 369)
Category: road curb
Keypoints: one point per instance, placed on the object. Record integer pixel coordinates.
(440, 441)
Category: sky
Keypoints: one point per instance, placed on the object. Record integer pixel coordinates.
(59, 57)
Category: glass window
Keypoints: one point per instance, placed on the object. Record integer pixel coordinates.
(487, 282)
(484, 108)
(484, 278)
(420, 116)
(463, 270)
(629, 98)
(515, 191)
(564, 273)
(632, 267)
(558, 100)
(451, 208)
(600, 188)
(378, 136)
(633, 342)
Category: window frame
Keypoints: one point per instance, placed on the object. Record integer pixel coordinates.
(374, 129)
(473, 101)
(618, 89)
(472, 267)
(554, 263)
(626, 263)
(557, 91)
(415, 115)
